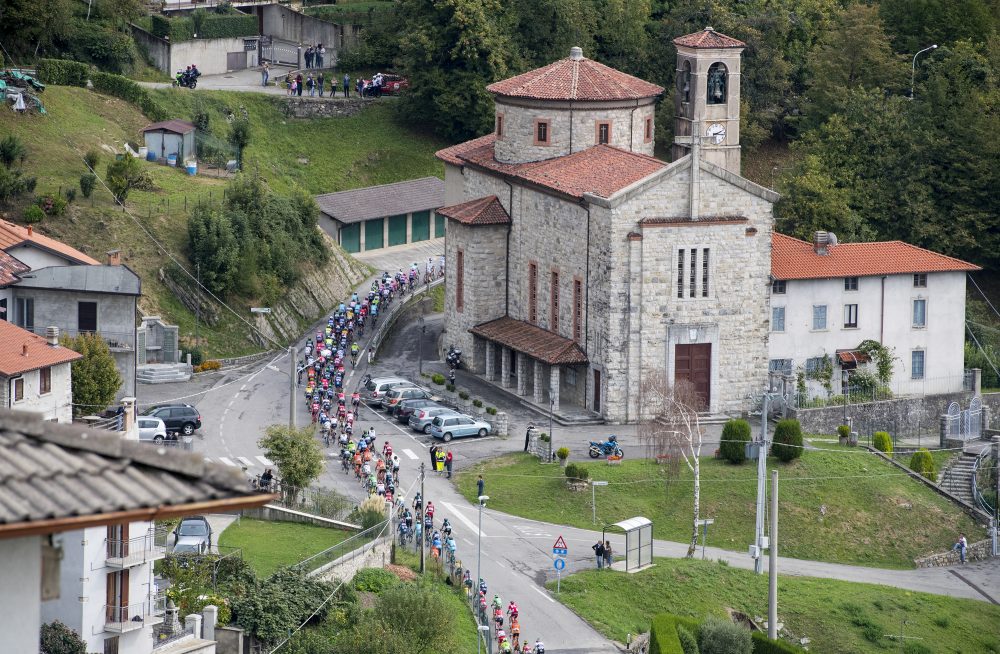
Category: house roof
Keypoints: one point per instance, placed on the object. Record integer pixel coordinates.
(576, 78)
(21, 351)
(12, 235)
(792, 258)
(538, 343)
(481, 211)
(58, 477)
(119, 280)
(10, 268)
(175, 126)
(601, 170)
(708, 38)
(380, 201)
(852, 357)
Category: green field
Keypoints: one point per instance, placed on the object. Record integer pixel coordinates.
(268, 546)
(837, 616)
(842, 505)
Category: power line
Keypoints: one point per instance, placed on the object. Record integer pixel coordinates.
(982, 350)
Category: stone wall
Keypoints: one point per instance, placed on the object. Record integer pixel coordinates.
(903, 417)
(376, 554)
(979, 551)
(306, 107)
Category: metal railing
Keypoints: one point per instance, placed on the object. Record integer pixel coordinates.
(351, 548)
(317, 501)
(978, 499)
(117, 341)
(134, 551)
(880, 392)
(122, 619)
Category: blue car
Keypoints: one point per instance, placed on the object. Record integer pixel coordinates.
(446, 427)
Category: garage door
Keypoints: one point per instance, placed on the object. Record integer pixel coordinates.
(421, 226)
(236, 60)
(350, 237)
(438, 226)
(397, 230)
(374, 238)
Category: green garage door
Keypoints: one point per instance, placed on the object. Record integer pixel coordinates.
(374, 234)
(397, 230)
(350, 237)
(421, 229)
(438, 225)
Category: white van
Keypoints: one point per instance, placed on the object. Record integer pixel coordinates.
(378, 387)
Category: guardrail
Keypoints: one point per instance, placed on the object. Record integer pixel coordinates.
(351, 548)
(390, 320)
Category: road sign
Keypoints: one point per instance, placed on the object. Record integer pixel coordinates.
(260, 309)
(560, 549)
(560, 563)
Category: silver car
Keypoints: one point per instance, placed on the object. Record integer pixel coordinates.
(421, 419)
(455, 426)
(152, 429)
(378, 387)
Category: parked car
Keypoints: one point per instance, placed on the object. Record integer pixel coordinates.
(193, 536)
(422, 418)
(152, 429)
(405, 409)
(182, 418)
(446, 427)
(379, 387)
(397, 395)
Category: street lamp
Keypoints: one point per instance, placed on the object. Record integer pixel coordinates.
(593, 495)
(479, 567)
(913, 67)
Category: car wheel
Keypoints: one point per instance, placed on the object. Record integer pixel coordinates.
(188, 429)
(427, 429)
(447, 437)
(483, 432)
(158, 439)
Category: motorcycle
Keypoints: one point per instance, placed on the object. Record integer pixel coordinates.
(187, 79)
(454, 357)
(606, 448)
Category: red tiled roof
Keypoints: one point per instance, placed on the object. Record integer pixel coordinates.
(40, 354)
(602, 170)
(709, 38)
(538, 343)
(848, 357)
(576, 78)
(10, 268)
(481, 211)
(795, 259)
(12, 235)
(175, 126)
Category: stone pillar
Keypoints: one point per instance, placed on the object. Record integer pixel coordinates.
(491, 372)
(385, 232)
(943, 427)
(522, 374)
(171, 623)
(505, 366)
(192, 623)
(554, 387)
(210, 617)
(538, 396)
(977, 381)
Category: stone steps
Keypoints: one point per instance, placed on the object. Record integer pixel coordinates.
(957, 478)
(163, 373)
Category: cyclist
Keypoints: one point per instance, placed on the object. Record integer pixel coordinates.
(355, 400)
(512, 610)
(497, 604)
(451, 545)
(539, 647)
(515, 631)
(430, 510)
(446, 527)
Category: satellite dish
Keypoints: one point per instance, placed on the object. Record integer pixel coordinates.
(832, 239)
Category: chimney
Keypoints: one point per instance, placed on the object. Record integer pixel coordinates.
(114, 257)
(821, 242)
(52, 336)
(24, 349)
(576, 53)
(30, 230)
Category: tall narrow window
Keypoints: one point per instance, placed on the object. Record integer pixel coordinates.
(577, 310)
(19, 389)
(554, 302)
(603, 132)
(542, 135)
(704, 272)
(819, 316)
(45, 381)
(692, 272)
(920, 313)
(86, 316)
(499, 126)
(850, 316)
(777, 319)
(917, 364)
(25, 312)
(533, 293)
(459, 280)
(680, 274)
(648, 136)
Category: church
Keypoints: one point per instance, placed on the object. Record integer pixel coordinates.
(580, 265)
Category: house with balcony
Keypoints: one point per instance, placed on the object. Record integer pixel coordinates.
(35, 373)
(77, 540)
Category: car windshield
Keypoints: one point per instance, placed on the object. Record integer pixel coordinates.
(192, 529)
(185, 548)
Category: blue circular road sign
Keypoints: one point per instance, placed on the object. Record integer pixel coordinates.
(560, 563)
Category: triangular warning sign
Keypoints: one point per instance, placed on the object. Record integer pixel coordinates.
(560, 544)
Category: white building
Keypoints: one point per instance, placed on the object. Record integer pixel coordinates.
(35, 374)
(827, 298)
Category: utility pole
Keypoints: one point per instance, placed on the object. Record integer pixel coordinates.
(758, 564)
(772, 563)
(197, 311)
(292, 390)
(423, 530)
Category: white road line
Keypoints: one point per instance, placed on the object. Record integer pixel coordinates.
(238, 392)
(245, 461)
(243, 387)
(468, 523)
(468, 542)
(410, 454)
(542, 593)
(208, 459)
(396, 427)
(228, 461)
(266, 461)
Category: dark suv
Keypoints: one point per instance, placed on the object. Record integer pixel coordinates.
(182, 418)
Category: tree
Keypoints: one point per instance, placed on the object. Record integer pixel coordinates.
(96, 380)
(12, 151)
(407, 619)
(812, 200)
(295, 452)
(212, 244)
(32, 25)
(122, 176)
(273, 608)
(735, 436)
(916, 24)
(239, 133)
(671, 427)
(57, 638)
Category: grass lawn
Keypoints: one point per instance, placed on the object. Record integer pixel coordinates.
(837, 616)
(840, 505)
(268, 546)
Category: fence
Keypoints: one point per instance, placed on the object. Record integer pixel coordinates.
(862, 393)
(317, 501)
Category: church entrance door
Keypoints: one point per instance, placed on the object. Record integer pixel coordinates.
(693, 363)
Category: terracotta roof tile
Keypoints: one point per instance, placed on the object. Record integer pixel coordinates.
(848, 357)
(481, 211)
(576, 78)
(795, 259)
(12, 235)
(538, 343)
(10, 268)
(14, 359)
(602, 170)
(708, 38)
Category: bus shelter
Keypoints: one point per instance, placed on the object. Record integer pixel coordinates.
(638, 542)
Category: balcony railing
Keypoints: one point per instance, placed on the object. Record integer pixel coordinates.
(136, 551)
(117, 341)
(122, 619)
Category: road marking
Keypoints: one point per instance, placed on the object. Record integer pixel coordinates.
(245, 461)
(238, 392)
(468, 523)
(208, 460)
(228, 462)
(266, 461)
(468, 542)
(396, 427)
(274, 368)
(243, 387)
(542, 593)
(410, 454)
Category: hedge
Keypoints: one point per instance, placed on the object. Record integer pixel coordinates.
(213, 26)
(922, 462)
(126, 89)
(787, 444)
(761, 645)
(882, 442)
(62, 72)
(663, 637)
(735, 436)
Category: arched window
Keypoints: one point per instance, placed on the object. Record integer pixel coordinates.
(718, 81)
(684, 82)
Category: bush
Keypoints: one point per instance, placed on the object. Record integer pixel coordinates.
(92, 158)
(62, 72)
(450, 388)
(843, 431)
(463, 395)
(33, 214)
(664, 634)
(70, 194)
(922, 462)
(438, 379)
(211, 364)
(126, 89)
(228, 26)
(87, 183)
(477, 403)
(882, 442)
(724, 637)
(787, 443)
(688, 642)
(576, 472)
(761, 645)
(57, 638)
(197, 356)
(563, 453)
(492, 410)
(374, 580)
(735, 435)
(52, 205)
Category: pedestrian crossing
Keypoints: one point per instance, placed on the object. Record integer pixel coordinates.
(258, 461)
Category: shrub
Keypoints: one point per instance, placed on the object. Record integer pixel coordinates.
(33, 214)
(761, 645)
(57, 638)
(922, 462)
(882, 442)
(688, 642)
(87, 183)
(576, 472)
(724, 637)
(374, 580)
(492, 410)
(70, 194)
(92, 158)
(664, 634)
(463, 395)
(563, 453)
(843, 431)
(211, 364)
(787, 440)
(450, 388)
(438, 379)
(126, 89)
(52, 205)
(62, 72)
(197, 356)
(228, 26)
(477, 403)
(735, 435)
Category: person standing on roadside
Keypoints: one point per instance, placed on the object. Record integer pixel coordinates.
(448, 462)
(480, 486)
(527, 436)
(599, 552)
(608, 554)
(321, 54)
(265, 74)
(298, 84)
(320, 80)
(962, 545)
(347, 85)
(433, 453)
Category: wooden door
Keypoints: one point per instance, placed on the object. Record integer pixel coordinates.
(597, 391)
(693, 363)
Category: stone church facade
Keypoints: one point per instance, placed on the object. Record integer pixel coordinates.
(579, 265)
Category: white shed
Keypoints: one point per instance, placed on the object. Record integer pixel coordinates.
(170, 137)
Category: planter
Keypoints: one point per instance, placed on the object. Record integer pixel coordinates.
(852, 440)
(843, 440)
(480, 410)
(563, 462)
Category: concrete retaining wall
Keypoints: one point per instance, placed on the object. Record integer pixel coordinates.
(210, 55)
(376, 554)
(156, 48)
(323, 108)
(284, 23)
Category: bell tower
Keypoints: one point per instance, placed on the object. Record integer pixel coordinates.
(707, 97)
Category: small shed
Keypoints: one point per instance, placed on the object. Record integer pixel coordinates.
(171, 137)
(638, 542)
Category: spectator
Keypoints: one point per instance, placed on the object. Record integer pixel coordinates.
(599, 551)
(480, 486)
(311, 85)
(962, 545)
(527, 436)
(608, 554)
(265, 74)
(347, 85)
(298, 84)
(309, 57)
(321, 55)
(434, 450)
(320, 80)
(448, 463)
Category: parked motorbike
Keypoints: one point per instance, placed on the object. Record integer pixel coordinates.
(605, 448)
(454, 357)
(187, 79)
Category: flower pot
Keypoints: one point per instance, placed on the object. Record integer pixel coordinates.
(843, 440)
(564, 462)
(852, 440)
(480, 410)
